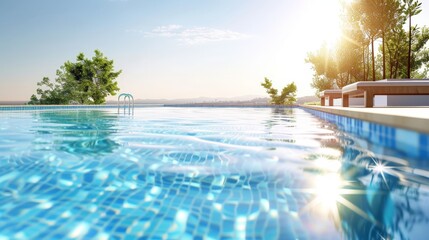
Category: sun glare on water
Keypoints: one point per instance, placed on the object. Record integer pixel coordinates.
(328, 192)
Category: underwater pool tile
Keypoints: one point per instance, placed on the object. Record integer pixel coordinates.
(161, 184)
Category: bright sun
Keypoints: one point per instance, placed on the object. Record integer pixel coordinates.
(322, 23)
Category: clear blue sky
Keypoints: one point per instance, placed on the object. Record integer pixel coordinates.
(167, 48)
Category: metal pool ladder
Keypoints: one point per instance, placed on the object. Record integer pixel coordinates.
(128, 99)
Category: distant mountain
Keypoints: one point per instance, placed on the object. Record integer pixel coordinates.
(198, 100)
(243, 100)
(305, 99)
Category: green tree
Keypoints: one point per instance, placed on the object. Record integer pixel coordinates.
(397, 53)
(52, 92)
(287, 96)
(323, 62)
(352, 28)
(321, 83)
(401, 54)
(412, 8)
(86, 81)
(367, 16)
(420, 58)
(395, 47)
(390, 17)
(340, 66)
(347, 58)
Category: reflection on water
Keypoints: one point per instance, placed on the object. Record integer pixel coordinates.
(177, 173)
(369, 196)
(80, 132)
(278, 120)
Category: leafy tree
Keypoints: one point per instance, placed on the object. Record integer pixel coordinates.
(351, 27)
(396, 48)
(374, 19)
(390, 17)
(369, 12)
(339, 66)
(321, 83)
(86, 81)
(57, 92)
(397, 53)
(323, 62)
(402, 53)
(347, 59)
(420, 58)
(287, 96)
(412, 8)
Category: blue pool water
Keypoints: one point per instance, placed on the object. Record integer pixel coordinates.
(205, 173)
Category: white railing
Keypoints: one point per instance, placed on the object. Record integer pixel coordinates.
(130, 102)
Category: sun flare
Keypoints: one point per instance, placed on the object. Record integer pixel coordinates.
(322, 24)
(328, 191)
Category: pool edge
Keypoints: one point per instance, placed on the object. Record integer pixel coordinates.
(376, 115)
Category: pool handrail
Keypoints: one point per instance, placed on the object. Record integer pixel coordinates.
(130, 101)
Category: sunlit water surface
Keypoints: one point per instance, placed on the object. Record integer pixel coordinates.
(208, 173)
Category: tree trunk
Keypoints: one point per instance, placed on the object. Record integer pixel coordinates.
(396, 66)
(409, 49)
(390, 60)
(367, 65)
(384, 56)
(363, 62)
(383, 29)
(373, 58)
(348, 77)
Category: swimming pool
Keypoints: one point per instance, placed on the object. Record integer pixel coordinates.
(204, 173)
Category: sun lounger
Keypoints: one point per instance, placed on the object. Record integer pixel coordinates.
(331, 95)
(386, 87)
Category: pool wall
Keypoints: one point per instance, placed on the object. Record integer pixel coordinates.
(412, 143)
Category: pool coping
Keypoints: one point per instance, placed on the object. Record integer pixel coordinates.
(415, 119)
